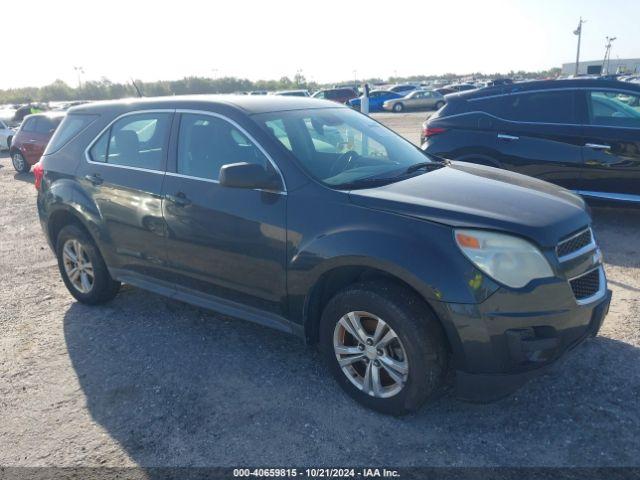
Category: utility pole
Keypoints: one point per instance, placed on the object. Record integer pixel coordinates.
(578, 32)
(79, 71)
(607, 55)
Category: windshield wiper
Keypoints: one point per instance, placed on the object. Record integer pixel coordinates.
(430, 166)
(366, 183)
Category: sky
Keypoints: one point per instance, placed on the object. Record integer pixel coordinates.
(328, 40)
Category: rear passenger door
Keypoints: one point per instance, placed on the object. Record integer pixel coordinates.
(538, 134)
(123, 174)
(223, 244)
(612, 145)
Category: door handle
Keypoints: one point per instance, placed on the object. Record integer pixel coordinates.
(598, 146)
(180, 199)
(95, 179)
(509, 138)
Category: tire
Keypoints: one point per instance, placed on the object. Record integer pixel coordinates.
(398, 107)
(420, 340)
(439, 105)
(9, 140)
(19, 163)
(103, 287)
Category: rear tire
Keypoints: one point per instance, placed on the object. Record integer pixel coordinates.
(439, 105)
(409, 369)
(398, 107)
(90, 282)
(19, 163)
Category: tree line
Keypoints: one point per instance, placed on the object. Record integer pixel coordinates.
(104, 89)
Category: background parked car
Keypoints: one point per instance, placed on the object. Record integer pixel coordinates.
(6, 135)
(292, 93)
(340, 95)
(581, 134)
(419, 99)
(403, 89)
(376, 99)
(32, 137)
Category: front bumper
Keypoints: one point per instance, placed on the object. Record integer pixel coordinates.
(500, 344)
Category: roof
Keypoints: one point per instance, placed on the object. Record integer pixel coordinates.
(544, 85)
(249, 104)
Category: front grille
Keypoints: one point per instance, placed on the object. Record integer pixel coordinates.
(574, 243)
(586, 285)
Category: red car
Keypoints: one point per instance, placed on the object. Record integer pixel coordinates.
(32, 137)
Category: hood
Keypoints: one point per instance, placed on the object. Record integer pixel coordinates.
(475, 196)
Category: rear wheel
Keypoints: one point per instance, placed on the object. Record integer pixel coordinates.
(398, 107)
(19, 163)
(383, 346)
(439, 105)
(82, 267)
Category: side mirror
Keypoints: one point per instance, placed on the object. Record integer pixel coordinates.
(248, 175)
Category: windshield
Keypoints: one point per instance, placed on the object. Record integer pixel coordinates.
(341, 147)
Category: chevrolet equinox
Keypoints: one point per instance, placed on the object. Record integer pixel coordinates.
(409, 271)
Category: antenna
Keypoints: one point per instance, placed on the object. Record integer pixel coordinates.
(136, 87)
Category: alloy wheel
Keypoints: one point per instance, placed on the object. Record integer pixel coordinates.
(18, 161)
(370, 354)
(78, 266)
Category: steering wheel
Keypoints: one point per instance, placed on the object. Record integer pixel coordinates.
(342, 162)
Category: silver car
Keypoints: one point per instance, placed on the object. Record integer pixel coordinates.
(417, 100)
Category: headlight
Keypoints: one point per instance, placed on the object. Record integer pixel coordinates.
(507, 259)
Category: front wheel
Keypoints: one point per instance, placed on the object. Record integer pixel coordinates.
(439, 105)
(383, 346)
(19, 163)
(398, 107)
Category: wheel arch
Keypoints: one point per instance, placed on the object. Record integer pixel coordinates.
(338, 278)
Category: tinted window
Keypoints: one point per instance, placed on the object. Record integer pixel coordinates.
(135, 141)
(547, 107)
(614, 109)
(47, 125)
(206, 143)
(28, 125)
(69, 128)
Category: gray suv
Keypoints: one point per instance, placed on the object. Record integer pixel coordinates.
(308, 217)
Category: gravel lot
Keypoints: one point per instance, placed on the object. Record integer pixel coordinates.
(152, 382)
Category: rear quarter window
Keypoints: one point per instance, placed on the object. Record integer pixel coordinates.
(71, 126)
(534, 107)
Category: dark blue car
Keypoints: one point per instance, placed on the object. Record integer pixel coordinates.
(376, 99)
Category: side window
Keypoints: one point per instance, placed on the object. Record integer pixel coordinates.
(614, 109)
(206, 143)
(43, 125)
(276, 127)
(320, 95)
(69, 128)
(135, 141)
(544, 107)
(28, 125)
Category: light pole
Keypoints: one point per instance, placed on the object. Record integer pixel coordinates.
(79, 71)
(578, 32)
(607, 54)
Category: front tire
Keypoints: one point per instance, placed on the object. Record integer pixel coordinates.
(82, 267)
(19, 163)
(383, 346)
(398, 107)
(439, 105)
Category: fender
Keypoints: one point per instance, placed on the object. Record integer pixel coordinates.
(66, 195)
(426, 259)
